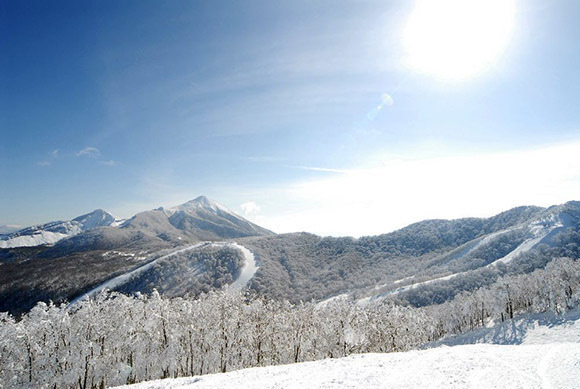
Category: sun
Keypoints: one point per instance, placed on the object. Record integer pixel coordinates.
(457, 39)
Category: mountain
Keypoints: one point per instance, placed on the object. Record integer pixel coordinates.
(196, 220)
(425, 263)
(94, 248)
(201, 219)
(52, 232)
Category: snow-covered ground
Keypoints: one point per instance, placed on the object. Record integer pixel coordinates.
(540, 351)
(249, 268)
(540, 230)
(38, 238)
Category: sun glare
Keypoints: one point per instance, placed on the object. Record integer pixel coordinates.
(457, 39)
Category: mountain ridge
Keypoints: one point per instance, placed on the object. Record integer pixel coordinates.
(52, 232)
(424, 263)
(200, 219)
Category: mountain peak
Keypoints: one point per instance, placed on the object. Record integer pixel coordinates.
(96, 218)
(201, 202)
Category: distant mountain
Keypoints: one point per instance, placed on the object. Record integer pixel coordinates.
(52, 232)
(200, 219)
(425, 263)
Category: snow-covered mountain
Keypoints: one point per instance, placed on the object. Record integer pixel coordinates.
(196, 220)
(489, 251)
(425, 263)
(52, 232)
(201, 218)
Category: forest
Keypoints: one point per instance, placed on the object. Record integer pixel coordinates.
(117, 339)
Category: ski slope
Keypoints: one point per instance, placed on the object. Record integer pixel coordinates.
(545, 355)
(248, 270)
(539, 230)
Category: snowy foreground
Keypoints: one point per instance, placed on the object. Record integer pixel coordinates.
(538, 351)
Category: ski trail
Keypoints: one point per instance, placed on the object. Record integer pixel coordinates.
(123, 278)
(248, 270)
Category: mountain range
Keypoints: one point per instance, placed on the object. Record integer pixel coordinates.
(201, 245)
(52, 232)
(198, 219)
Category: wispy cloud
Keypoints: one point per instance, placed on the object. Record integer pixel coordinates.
(322, 169)
(92, 152)
(48, 162)
(256, 158)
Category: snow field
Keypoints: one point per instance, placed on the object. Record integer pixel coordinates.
(467, 366)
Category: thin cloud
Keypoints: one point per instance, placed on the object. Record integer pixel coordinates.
(43, 163)
(264, 159)
(92, 152)
(108, 163)
(322, 169)
(54, 153)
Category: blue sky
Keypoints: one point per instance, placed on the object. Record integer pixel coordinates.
(272, 109)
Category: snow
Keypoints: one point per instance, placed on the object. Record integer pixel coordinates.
(381, 296)
(249, 268)
(324, 303)
(52, 232)
(528, 329)
(540, 230)
(198, 203)
(403, 280)
(547, 355)
(38, 238)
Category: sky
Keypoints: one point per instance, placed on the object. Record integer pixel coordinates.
(333, 117)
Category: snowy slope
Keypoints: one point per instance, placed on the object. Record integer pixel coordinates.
(547, 356)
(537, 231)
(52, 232)
(248, 269)
(200, 218)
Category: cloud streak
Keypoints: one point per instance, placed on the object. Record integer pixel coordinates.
(88, 151)
(322, 169)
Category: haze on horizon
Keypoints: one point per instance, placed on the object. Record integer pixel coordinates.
(336, 118)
